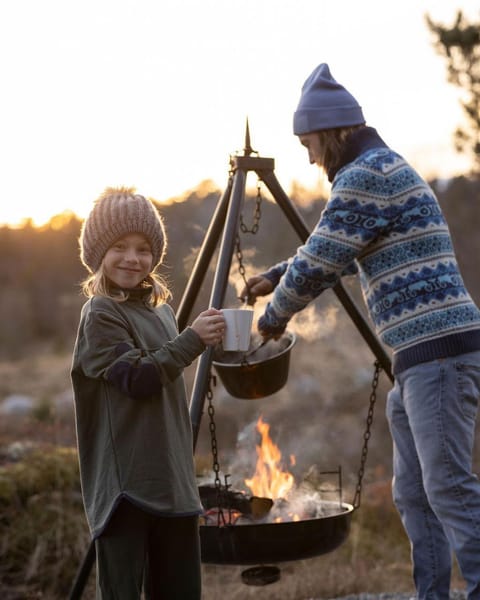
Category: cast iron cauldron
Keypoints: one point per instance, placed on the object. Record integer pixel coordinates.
(256, 543)
(260, 375)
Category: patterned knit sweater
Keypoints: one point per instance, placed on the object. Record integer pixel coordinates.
(383, 220)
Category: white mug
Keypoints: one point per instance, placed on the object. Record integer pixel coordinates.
(238, 327)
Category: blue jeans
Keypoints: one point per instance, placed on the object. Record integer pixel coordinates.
(431, 411)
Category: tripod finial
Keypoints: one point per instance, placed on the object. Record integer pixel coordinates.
(248, 148)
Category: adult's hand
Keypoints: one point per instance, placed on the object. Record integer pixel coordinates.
(256, 286)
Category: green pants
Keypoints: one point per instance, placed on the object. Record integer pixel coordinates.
(160, 554)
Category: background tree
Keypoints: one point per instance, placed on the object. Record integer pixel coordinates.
(460, 45)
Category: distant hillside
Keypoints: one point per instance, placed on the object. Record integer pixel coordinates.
(40, 271)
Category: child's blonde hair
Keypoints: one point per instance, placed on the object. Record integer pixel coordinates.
(98, 284)
(118, 212)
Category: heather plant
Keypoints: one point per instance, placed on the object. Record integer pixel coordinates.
(43, 533)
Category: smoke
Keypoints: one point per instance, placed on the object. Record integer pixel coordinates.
(244, 457)
(311, 325)
(308, 324)
(303, 502)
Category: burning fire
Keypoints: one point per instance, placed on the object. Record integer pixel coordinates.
(275, 495)
(269, 480)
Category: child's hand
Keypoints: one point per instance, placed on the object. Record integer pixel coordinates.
(210, 326)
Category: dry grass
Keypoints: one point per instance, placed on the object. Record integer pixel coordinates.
(44, 539)
(319, 416)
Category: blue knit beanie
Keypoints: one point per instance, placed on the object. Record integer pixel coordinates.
(325, 104)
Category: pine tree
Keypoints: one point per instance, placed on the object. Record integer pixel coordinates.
(460, 45)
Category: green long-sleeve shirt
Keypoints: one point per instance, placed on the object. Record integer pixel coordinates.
(133, 426)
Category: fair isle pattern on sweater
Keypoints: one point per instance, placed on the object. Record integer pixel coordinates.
(382, 215)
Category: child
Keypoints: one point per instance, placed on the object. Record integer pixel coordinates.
(133, 426)
(383, 220)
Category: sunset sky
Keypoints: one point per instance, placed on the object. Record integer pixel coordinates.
(155, 93)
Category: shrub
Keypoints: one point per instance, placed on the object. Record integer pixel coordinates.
(43, 530)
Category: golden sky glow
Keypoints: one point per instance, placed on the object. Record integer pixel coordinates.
(154, 93)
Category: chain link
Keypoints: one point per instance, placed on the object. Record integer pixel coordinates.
(214, 446)
(367, 434)
(239, 255)
(213, 430)
(257, 214)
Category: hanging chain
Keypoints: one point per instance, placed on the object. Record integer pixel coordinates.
(367, 435)
(221, 490)
(239, 255)
(214, 446)
(257, 214)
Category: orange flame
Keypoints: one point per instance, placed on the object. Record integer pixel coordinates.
(269, 480)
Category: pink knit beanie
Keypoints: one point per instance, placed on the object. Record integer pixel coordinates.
(117, 212)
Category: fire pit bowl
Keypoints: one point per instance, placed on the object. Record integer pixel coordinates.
(258, 543)
(262, 374)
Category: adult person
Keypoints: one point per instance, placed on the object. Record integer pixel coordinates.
(384, 221)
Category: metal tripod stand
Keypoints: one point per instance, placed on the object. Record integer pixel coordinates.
(224, 226)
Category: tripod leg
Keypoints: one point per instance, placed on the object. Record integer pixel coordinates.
(348, 303)
(203, 259)
(220, 283)
(82, 574)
